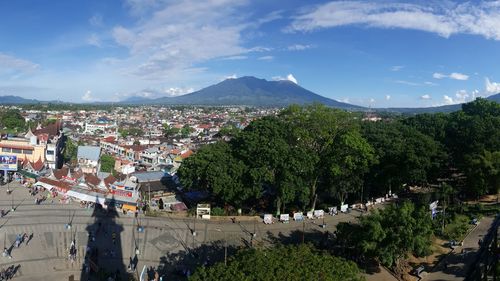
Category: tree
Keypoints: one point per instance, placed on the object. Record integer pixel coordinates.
(170, 131)
(12, 120)
(288, 263)
(405, 155)
(315, 128)
(186, 130)
(390, 234)
(107, 163)
(347, 162)
(70, 151)
(214, 169)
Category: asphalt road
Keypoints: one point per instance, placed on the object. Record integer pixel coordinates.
(455, 265)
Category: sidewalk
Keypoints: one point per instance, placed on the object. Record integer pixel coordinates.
(455, 265)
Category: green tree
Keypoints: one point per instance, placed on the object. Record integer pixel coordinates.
(214, 169)
(107, 163)
(348, 161)
(288, 263)
(390, 234)
(12, 120)
(70, 151)
(315, 128)
(170, 131)
(405, 155)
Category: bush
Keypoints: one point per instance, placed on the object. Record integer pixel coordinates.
(218, 211)
(457, 228)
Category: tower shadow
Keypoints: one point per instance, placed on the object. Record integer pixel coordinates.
(104, 254)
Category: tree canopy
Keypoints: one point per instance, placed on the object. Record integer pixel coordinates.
(281, 263)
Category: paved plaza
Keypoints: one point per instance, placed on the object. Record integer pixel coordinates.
(165, 241)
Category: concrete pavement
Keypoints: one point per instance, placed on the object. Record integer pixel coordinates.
(165, 241)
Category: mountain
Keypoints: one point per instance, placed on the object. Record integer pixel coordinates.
(435, 109)
(16, 100)
(253, 92)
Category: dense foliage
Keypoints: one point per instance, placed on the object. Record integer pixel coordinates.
(287, 159)
(318, 154)
(11, 120)
(107, 163)
(388, 235)
(281, 263)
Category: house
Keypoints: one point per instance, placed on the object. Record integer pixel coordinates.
(88, 158)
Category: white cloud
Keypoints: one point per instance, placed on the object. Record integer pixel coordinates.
(439, 75)
(96, 20)
(266, 58)
(372, 100)
(453, 75)
(425, 97)
(298, 47)
(235, 58)
(397, 67)
(404, 82)
(387, 97)
(94, 40)
(172, 37)
(448, 100)
(88, 96)
(13, 64)
(444, 18)
(174, 91)
(232, 76)
(458, 76)
(345, 100)
(289, 77)
(461, 96)
(428, 83)
(492, 87)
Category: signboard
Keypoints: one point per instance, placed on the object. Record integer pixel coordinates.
(268, 219)
(319, 213)
(299, 216)
(8, 162)
(284, 217)
(121, 193)
(343, 208)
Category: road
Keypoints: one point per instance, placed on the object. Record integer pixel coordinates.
(165, 241)
(455, 265)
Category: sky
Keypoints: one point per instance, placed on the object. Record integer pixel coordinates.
(371, 53)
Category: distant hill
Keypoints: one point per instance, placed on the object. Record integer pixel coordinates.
(435, 109)
(19, 100)
(253, 92)
(16, 100)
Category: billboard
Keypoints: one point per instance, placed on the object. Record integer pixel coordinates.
(8, 162)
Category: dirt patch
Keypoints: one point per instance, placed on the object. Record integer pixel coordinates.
(438, 251)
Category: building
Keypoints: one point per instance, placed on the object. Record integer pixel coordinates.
(44, 144)
(102, 124)
(88, 158)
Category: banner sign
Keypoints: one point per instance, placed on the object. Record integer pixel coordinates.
(8, 162)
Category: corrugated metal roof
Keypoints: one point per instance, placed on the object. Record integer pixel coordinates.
(91, 153)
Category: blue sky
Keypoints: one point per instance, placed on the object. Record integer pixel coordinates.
(379, 53)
